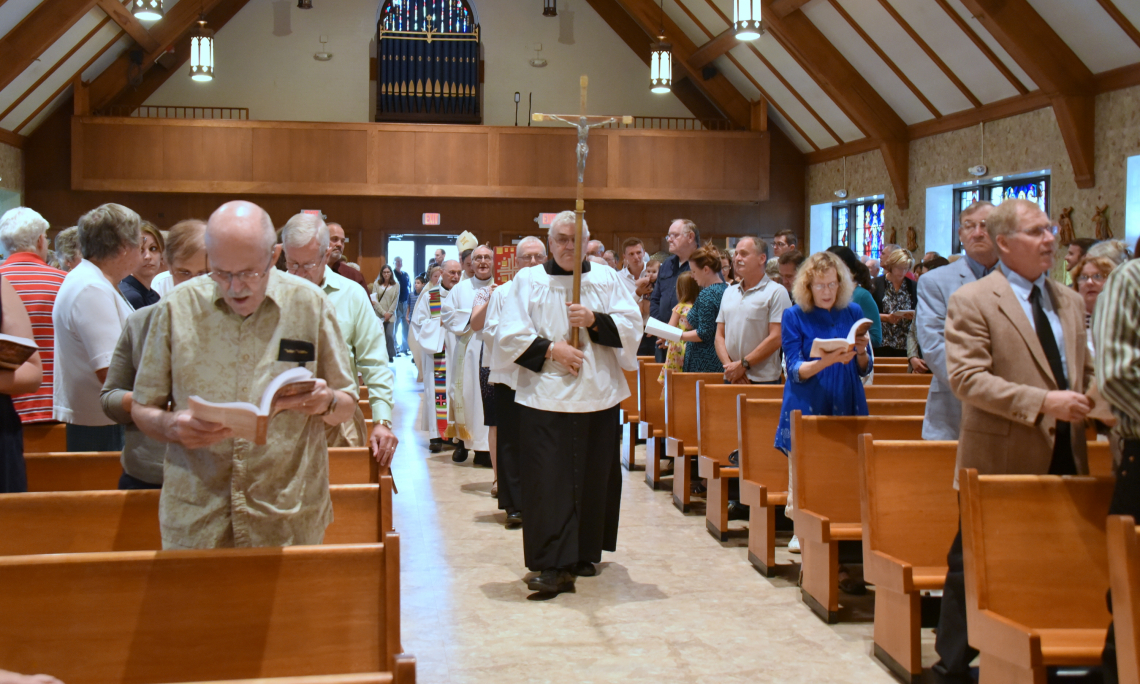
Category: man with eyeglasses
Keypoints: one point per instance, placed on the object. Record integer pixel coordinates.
(304, 239)
(336, 260)
(225, 338)
(435, 350)
(683, 239)
(464, 401)
(1017, 358)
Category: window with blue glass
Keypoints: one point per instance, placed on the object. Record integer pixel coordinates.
(1035, 189)
(859, 226)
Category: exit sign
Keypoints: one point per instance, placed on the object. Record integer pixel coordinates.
(314, 212)
(544, 220)
(431, 219)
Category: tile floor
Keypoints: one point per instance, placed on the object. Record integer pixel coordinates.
(672, 604)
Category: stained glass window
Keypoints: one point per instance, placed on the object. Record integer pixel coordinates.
(860, 227)
(1035, 190)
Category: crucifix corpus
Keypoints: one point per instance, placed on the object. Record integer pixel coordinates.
(583, 123)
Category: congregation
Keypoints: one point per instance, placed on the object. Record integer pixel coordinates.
(138, 327)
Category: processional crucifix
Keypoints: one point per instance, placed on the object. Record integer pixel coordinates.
(583, 123)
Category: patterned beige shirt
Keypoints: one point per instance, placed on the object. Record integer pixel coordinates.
(236, 493)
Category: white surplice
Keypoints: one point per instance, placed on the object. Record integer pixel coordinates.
(536, 307)
(464, 399)
(431, 338)
(489, 333)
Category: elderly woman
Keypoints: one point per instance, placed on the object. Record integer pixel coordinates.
(88, 316)
(700, 352)
(830, 385)
(896, 296)
(137, 286)
(1088, 280)
(66, 246)
(142, 456)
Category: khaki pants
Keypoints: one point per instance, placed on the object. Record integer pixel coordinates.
(350, 433)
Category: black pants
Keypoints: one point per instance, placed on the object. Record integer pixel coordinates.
(131, 482)
(952, 641)
(571, 485)
(1125, 501)
(95, 438)
(507, 441)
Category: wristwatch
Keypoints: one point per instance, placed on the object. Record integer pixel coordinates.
(744, 362)
(386, 423)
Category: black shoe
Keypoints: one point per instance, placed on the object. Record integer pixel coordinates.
(460, 455)
(852, 586)
(584, 569)
(552, 581)
(945, 676)
(737, 511)
(514, 519)
(482, 459)
(435, 445)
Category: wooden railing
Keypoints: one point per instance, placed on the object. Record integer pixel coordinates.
(177, 112)
(676, 123)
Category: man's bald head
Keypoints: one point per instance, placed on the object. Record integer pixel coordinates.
(241, 245)
(452, 272)
(243, 221)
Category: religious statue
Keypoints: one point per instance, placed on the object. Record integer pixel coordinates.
(892, 237)
(911, 239)
(1065, 226)
(1100, 224)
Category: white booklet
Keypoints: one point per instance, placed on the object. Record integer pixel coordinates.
(665, 331)
(248, 421)
(820, 346)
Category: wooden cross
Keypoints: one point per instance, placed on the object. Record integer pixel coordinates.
(583, 123)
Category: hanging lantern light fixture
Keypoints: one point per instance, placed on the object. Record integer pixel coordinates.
(202, 52)
(147, 10)
(550, 8)
(746, 19)
(661, 61)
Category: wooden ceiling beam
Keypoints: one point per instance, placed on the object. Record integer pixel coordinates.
(14, 139)
(77, 78)
(23, 45)
(119, 14)
(930, 52)
(1121, 20)
(985, 49)
(844, 84)
(783, 8)
(707, 53)
(1053, 65)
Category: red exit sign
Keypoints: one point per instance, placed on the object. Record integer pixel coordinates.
(431, 219)
(544, 220)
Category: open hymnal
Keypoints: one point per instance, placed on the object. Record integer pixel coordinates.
(248, 421)
(14, 351)
(819, 346)
(665, 331)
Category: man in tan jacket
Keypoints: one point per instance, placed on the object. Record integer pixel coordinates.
(1016, 357)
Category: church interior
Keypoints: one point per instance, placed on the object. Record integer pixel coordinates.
(857, 123)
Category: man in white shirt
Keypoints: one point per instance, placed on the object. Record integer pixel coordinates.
(567, 400)
(748, 324)
(635, 275)
(464, 399)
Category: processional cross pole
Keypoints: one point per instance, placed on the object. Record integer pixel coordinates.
(583, 123)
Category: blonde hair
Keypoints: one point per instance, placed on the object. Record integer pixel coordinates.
(687, 288)
(1103, 264)
(815, 266)
(898, 256)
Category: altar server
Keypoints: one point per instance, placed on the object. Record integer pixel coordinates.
(432, 340)
(464, 403)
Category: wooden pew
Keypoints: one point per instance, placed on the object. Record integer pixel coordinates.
(891, 368)
(366, 408)
(1100, 459)
(651, 416)
(1124, 573)
(166, 616)
(681, 429)
(903, 379)
(910, 517)
(763, 476)
(366, 678)
(628, 419)
(85, 471)
(40, 437)
(1036, 566)
(363, 393)
(113, 520)
(896, 392)
(825, 451)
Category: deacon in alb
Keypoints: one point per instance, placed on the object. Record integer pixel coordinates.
(567, 400)
(432, 339)
(464, 400)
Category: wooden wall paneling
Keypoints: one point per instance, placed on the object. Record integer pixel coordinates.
(310, 155)
(395, 152)
(451, 158)
(547, 159)
(123, 152)
(211, 154)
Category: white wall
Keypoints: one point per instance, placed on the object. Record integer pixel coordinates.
(819, 237)
(1132, 203)
(939, 220)
(276, 77)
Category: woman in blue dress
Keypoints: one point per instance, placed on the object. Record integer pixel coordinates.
(700, 352)
(831, 385)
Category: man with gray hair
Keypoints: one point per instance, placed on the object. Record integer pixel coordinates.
(66, 248)
(595, 248)
(684, 239)
(23, 233)
(225, 339)
(464, 400)
(567, 399)
(305, 240)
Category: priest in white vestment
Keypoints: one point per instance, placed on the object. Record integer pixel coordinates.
(464, 400)
(432, 340)
(567, 402)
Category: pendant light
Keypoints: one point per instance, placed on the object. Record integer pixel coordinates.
(550, 8)
(746, 15)
(202, 52)
(661, 61)
(147, 10)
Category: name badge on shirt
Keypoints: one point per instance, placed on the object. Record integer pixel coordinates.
(299, 352)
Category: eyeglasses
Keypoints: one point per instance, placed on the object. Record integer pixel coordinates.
(1039, 232)
(531, 259)
(294, 268)
(185, 274)
(1096, 278)
(563, 240)
(483, 258)
(825, 287)
(970, 226)
(244, 277)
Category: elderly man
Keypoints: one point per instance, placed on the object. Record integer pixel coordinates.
(225, 338)
(595, 248)
(610, 259)
(305, 239)
(683, 239)
(23, 234)
(529, 252)
(1017, 357)
(568, 399)
(336, 261)
(66, 247)
(402, 308)
(748, 323)
(784, 241)
(435, 349)
(464, 400)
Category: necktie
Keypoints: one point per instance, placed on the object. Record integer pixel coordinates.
(1063, 462)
